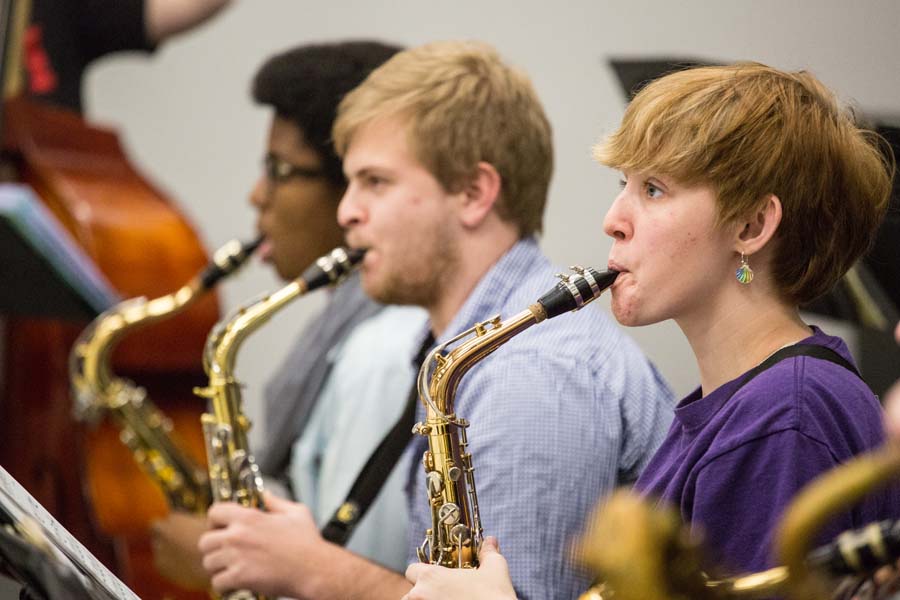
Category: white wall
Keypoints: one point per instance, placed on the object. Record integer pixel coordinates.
(186, 117)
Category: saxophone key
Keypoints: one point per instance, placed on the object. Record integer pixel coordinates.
(435, 483)
(460, 536)
(453, 472)
(449, 514)
(428, 460)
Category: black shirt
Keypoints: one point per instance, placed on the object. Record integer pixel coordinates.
(64, 36)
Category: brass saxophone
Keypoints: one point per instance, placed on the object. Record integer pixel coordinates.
(144, 429)
(233, 474)
(656, 558)
(455, 536)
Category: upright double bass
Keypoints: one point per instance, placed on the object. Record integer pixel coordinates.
(145, 247)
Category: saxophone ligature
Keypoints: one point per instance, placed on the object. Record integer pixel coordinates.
(143, 428)
(655, 557)
(233, 474)
(455, 536)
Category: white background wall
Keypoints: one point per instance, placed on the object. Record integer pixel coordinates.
(186, 117)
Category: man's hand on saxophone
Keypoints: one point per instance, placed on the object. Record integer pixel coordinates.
(281, 553)
(246, 548)
(490, 581)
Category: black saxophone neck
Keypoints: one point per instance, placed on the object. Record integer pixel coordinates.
(576, 290)
(332, 267)
(227, 260)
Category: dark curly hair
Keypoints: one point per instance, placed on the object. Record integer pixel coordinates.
(305, 85)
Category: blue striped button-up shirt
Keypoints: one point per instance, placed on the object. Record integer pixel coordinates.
(560, 415)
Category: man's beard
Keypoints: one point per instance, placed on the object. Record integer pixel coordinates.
(422, 281)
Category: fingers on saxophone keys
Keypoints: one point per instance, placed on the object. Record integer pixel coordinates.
(414, 571)
(222, 514)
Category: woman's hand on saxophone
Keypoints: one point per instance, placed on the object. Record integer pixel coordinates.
(266, 552)
(490, 581)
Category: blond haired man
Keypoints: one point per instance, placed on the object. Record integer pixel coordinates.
(448, 156)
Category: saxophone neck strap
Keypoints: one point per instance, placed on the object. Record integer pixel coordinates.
(812, 350)
(378, 468)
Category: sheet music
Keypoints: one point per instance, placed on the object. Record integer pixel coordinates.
(21, 505)
(36, 223)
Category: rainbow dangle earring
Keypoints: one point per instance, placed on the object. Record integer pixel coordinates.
(744, 273)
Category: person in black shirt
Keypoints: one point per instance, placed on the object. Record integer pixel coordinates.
(64, 36)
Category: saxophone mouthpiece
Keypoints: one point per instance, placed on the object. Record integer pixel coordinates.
(576, 289)
(332, 268)
(228, 259)
(250, 247)
(859, 551)
(355, 255)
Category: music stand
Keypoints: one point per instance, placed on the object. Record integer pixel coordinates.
(39, 553)
(44, 272)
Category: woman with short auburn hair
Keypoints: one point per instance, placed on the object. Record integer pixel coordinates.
(746, 191)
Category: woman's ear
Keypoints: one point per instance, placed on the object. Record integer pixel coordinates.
(480, 194)
(759, 227)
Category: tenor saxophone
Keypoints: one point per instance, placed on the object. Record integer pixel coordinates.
(143, 428)
(233, 474)
(655, 557)
(455, 536)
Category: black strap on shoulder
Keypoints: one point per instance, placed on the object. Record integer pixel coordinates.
(797, 350)
(377, 469)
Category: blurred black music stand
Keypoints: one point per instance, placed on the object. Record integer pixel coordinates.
(869, 296)
(43, 557)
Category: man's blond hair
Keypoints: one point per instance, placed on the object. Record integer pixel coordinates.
(462, 105)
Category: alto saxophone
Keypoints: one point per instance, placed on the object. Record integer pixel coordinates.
(144, 429)
(233, 474)
(455, 536)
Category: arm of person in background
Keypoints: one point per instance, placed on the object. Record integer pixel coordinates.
(892, 403)
(175, 551)
(489, 582)
(281, 553)
(164, 18)
(886, 580)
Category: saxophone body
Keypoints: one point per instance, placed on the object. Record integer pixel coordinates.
(455, 536)
(233, 474)
(143, 428)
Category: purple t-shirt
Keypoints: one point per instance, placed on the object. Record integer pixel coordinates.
(731, 465)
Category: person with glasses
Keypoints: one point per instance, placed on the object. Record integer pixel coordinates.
(449, 156)
(345, 380)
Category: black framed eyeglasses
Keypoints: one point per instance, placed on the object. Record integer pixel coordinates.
(279, 170)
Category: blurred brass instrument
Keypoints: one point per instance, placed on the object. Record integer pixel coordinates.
(233, 474)
(144, 429)
(655, 557)
(455, 536)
